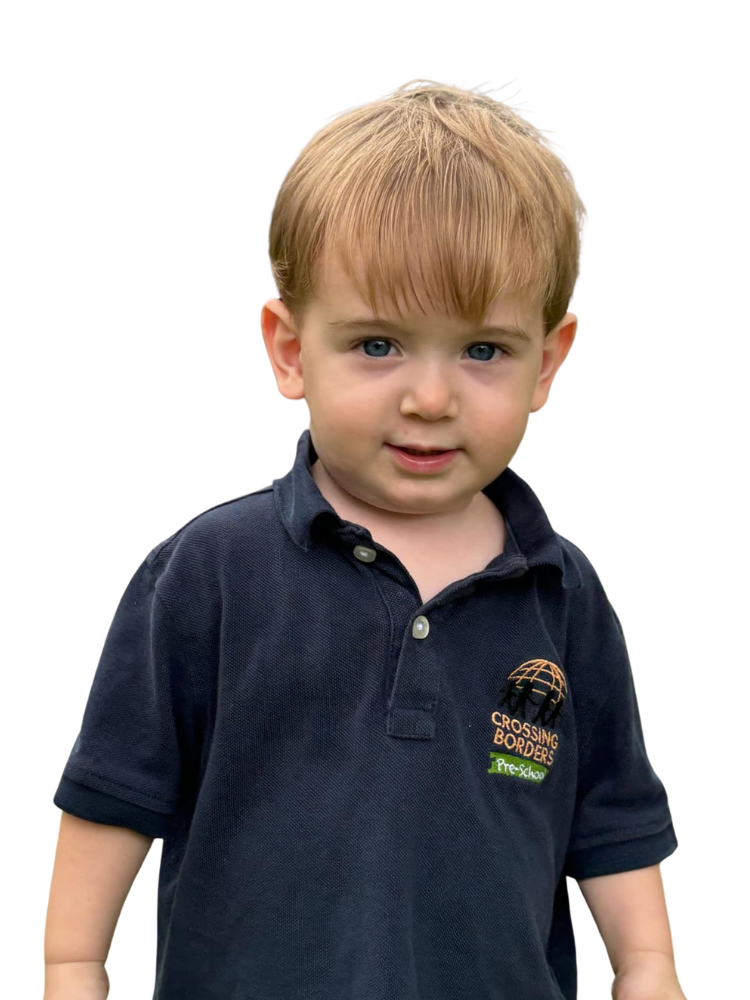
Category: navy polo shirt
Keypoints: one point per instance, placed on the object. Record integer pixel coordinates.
(361, 796)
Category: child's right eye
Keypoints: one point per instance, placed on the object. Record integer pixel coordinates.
(374, 341)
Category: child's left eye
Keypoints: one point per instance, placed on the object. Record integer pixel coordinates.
(482, 343)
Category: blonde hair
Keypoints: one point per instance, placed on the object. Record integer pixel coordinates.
(435, 182)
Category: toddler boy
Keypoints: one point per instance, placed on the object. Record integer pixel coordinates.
(379, 710)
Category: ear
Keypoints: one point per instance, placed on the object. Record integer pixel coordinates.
(283, 347)
(557, 343)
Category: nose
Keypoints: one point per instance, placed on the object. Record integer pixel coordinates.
(429, 392)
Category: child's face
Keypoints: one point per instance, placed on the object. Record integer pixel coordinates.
(435, 382)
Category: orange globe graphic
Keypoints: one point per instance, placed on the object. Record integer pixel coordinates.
(544, 676)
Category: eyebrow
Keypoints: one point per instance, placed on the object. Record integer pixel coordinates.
(384, 324)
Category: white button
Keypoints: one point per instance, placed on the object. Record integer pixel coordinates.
(420, 628)
(364, 553)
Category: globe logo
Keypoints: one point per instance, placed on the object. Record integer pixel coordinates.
(542, 677)
(524, 685)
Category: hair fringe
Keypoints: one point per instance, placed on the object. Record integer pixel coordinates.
(435, 186)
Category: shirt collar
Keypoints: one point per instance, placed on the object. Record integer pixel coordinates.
(531, 539)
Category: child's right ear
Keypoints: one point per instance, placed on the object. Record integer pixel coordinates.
(283, 347)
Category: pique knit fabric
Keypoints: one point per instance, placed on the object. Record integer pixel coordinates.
(363, 796)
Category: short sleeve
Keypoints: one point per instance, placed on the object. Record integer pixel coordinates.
(133, 761)
(622, 818)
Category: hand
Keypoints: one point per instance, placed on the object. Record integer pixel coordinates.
(647, 975)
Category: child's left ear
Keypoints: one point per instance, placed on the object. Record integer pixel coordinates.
(556, 346)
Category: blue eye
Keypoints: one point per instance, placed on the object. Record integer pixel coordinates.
(482, 343)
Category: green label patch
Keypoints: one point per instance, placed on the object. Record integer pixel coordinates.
(516, 767)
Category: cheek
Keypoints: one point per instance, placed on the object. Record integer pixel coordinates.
(350, 402)
(498, 431)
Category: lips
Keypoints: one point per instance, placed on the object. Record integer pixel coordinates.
(420, 461)
(418, 450)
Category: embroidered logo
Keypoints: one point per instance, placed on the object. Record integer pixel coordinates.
(532, 699)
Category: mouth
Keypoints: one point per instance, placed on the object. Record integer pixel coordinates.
(419, 450)
(422, 460)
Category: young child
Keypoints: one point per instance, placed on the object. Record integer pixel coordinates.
(380, 710)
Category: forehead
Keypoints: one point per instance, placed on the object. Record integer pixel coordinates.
(338, 298)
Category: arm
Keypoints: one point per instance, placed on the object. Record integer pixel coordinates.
(95, 866)
(630, 912)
